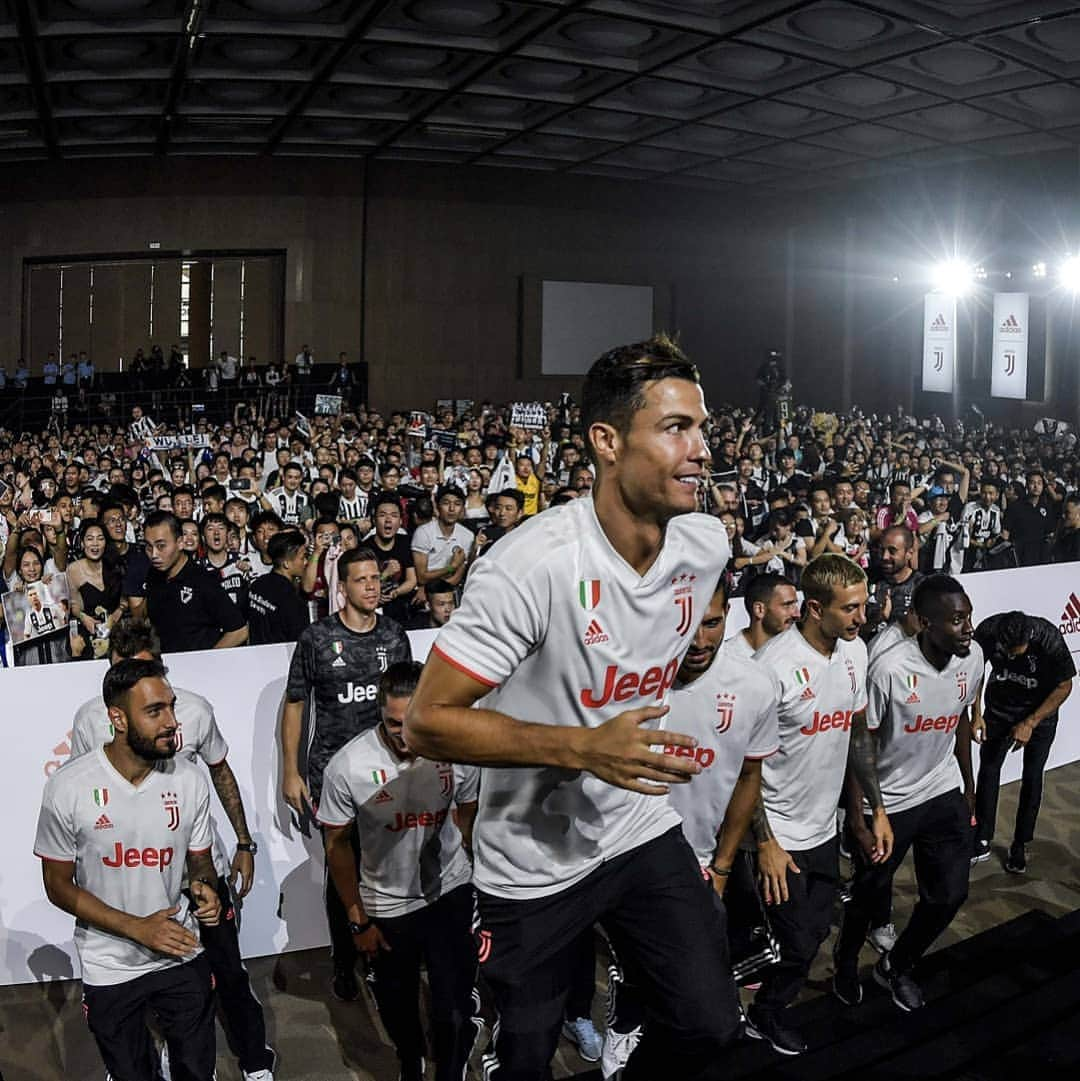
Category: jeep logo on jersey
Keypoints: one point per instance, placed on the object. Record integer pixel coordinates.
(358, 692)
(703, 756)
(824, 722)
(684, 601)
(138, 857)
(422, 821)
(622, 686)
(172, 809)
(933, 724)
(725, 711)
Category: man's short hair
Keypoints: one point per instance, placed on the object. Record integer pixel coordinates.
(614, 387)
(354, 555)
(828, 573)
(289, 466)
(898, 483)
(123, 675)
(385, 499)
(214, 518)
(215, 491)
(1013, 630)
(448, 491)
(284, 545)
(131, 636)
(437, 586)
(399, 680)
(903, 533)
(165, 518)
(928, 593)
(761, 587)
(265, 517)
(511, 493)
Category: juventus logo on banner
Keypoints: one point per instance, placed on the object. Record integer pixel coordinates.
(1009, 378)
(939, 343)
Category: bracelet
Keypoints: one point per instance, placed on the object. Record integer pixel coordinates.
(720, 872)
(359, 928)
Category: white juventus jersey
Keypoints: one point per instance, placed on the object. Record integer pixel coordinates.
(817, 695)
(411, 852)
(39, 622)
(916, 711)
(890, 635)
(197, 737)
(731, 711)
(738, 646)
(565, 632)
(289, 505)
(129, 845)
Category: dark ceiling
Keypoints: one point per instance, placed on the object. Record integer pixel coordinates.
(773, 93)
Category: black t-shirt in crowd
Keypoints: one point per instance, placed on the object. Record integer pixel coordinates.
(341, 669)
(231, 576)
(191, 610)
(1017, 685)
(275, 610)
(401, 550)
(1028, 527)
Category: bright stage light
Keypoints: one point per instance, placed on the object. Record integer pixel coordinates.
(1069, 274)
(1038, 270)
(954, 276)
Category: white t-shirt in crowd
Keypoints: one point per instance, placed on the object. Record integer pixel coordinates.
(197, 737)
(411, 853)
(916, 710)
(129, 845)
(566, 632)
(437, 546)
(817, 696)
(731, 711)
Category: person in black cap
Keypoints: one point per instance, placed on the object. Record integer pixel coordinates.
(1031, 674)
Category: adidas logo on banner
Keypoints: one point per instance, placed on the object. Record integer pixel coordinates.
(912, 699)
(594, 633)
(103, 823)
(939, 323)
(1070, 618)
(807, 695)
(1011, 326)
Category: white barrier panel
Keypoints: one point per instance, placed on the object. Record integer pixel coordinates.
(284, 911)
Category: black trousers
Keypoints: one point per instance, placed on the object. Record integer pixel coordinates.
(939, 831)
(667, 934)
(342, 947)
(241, 1012)
(991, 758)
(440, 937)
(801, 924)
(583, 979)
(182, 1000)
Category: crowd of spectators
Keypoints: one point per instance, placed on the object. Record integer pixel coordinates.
(236, 539)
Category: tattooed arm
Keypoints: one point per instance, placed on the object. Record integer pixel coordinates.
(862, 762)
(243, 863)
(773, 862)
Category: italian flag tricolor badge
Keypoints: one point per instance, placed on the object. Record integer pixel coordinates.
(378, 776)
(101, 796)
(589, 593)
(802, 676)
(912, 682)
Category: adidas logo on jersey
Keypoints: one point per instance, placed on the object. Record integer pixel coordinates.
(807, 695)
(383, 796)
(103, 823)
(594, 633)
(911, 699)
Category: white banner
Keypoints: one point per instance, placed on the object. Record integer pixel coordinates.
(939, 343)
(1009, 378)
(179, 442)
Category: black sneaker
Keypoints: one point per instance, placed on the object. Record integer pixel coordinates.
(980, 853)
(1016, 864)
(904, 990)
(412, 1071)
(345, 987)
(763, 1025)
(847, 986)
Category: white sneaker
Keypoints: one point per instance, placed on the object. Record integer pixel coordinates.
(581, 1032)
(618, 1047)
(883, 938)
(166, 1068)
(259, 1075)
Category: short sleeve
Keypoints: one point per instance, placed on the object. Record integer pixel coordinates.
(336, 806)
(765, 737)
(86, 731)
(301, 670)
(201, 838)
(877, 695)
(466, 784)
(226, 614)
(213, 750)
(500, 621)
(403, 647)
(55, 838)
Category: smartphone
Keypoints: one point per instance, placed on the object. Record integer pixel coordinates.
(241, 484)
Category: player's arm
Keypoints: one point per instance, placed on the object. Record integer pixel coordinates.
(1021, 732)
(243, 864)
(773, 862)
(466, 818)
(862, 761)
(204, 884)
(962, 750)
(158, 931)
(740, 810)
(293, 787)
(441, 725)
(341, 861)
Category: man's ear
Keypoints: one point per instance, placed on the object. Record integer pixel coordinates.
(604, 439)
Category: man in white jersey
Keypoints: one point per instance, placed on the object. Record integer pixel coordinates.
(919, 694)
(116, 828)
(198, 738)
(39, 617)
(576, 623)
(414, 902)
(819, 668)
(772, 603)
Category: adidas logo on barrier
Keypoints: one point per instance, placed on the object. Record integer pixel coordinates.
(594, 633)
(1011, 326)
(939, 323)
(1070, 618)
(103, 823)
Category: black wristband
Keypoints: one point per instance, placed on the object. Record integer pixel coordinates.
(720, 872)
(359, 928)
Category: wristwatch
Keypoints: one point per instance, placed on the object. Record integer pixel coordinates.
(359, 928)
(248, 846)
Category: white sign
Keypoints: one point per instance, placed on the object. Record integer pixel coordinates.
(1009, 373)
(327, 405)
(939, 343)
(529, 415)
(179, 442)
